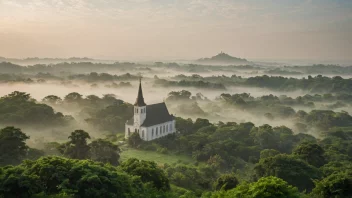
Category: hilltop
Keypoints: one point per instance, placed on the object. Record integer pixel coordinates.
(222, 58)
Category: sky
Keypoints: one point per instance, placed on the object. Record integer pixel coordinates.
(177, 29)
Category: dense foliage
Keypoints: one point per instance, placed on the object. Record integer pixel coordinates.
(20, 109)
(79, 178)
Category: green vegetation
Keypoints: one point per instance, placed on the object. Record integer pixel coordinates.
(79, 178)
(20, 109)
(184, 83)
(266, 187)
(155, 156)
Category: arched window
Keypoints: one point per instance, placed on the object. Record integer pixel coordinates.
(156, 131)
(152, 132)
(170, 127)
(161, 129)
(167, 128)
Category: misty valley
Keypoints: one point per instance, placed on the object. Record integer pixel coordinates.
(242, 129)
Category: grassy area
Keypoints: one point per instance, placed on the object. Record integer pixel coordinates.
(154, 156)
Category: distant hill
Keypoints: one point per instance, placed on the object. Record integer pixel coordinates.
(223, 58)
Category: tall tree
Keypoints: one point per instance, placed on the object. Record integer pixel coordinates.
(13, 146)
(77, 147)
(52, 99)
(295, 171)
(312, 153)
(134, 140)
(226, 182)
(148, 171)
(104, 151)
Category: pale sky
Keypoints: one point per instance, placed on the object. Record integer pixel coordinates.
(177, 29)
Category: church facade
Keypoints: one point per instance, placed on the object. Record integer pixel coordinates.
(149, 121)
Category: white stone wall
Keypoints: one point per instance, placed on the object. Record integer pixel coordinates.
(160, 130)
(153, 132)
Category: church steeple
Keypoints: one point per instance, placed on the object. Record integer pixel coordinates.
(140, 100)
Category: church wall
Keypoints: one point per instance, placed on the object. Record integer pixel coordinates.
(152, 131)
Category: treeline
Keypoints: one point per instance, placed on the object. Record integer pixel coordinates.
(317, 84)
(281, 107)
(321, 69)
(105, 113)
(184, 83)
(319, 117)
(279, 71)
(18, 108)
(95, 77)
(73, 67)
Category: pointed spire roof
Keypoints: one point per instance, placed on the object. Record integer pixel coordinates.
(140, 100)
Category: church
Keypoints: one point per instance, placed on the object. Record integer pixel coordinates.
(149, 121)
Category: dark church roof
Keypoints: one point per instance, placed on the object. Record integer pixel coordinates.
(156, 114)
(140, 100)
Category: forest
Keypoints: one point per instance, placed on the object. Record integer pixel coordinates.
(243, 131)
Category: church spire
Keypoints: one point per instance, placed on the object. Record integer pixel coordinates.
(140, 100)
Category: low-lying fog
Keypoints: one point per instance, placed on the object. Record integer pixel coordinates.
(151, 93)
(222, 80)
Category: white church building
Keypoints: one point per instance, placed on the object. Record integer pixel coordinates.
(149, 121)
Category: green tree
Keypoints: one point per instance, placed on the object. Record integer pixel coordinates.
(200, 123)
(73, 97)
(77, 147)
(104, 151)
(148, 171)
(266, 187)
(92, 99)
(226, 182)
(312, 153)
(14, 182)
(13, 148)
(295, 171)
(52, 99)
(134, 140)
(268, 153)
(265, 137)
(337, 185)
(18, 96)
